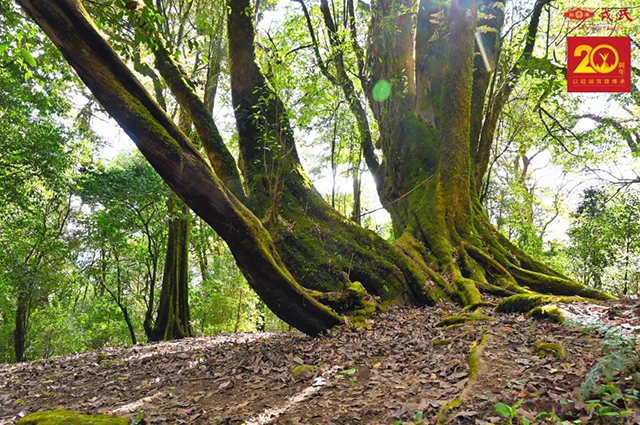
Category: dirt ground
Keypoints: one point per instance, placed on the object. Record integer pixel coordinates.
(402, 368)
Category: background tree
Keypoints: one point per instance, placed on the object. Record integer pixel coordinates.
(39, 155)
(604, 244)
(125, 199)
(174, 318)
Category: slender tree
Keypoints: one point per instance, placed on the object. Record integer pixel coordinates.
(307, 262)
(174, 319)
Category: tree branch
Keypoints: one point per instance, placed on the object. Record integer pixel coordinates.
(221, 159)
(343, 81)
(496, 104)
(631, 137)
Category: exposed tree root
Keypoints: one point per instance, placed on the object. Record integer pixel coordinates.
(549, 348)
(462, 318)
(523, 303)
(476, 366)
(353, 301)
(51, 417)
(474, 307)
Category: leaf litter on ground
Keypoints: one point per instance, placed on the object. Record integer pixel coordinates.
(401, 367)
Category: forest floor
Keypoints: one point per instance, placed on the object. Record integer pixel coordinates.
(401, 369)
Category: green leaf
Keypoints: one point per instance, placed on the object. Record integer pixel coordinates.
(3, 47)
(27, 57)
(347, 372)
(503, 410)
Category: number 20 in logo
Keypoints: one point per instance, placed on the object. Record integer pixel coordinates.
(598, 64)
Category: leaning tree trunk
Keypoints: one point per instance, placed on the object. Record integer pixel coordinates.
(178, 162)
(174, 319)
(307, 262)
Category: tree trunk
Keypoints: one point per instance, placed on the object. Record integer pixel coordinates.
(127, 320)
(152, 272)
(238, 311)
(20, 332)
(174, 319)
(347, 267)
(306, 261)
(430, 179)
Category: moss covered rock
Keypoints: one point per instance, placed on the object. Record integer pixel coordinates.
(549, 348)
(549, 312)
(66, 417)
(303, 371)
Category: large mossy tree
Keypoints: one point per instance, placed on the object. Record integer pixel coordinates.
(436, 110)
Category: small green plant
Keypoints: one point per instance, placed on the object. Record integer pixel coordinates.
(553, 418)
(139, 419)
(509, 413)
(346, 372)
(611, 402)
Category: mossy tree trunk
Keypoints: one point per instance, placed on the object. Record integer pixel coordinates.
(323, 250)
(307, 262)
(437, 127)
(174, 319)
